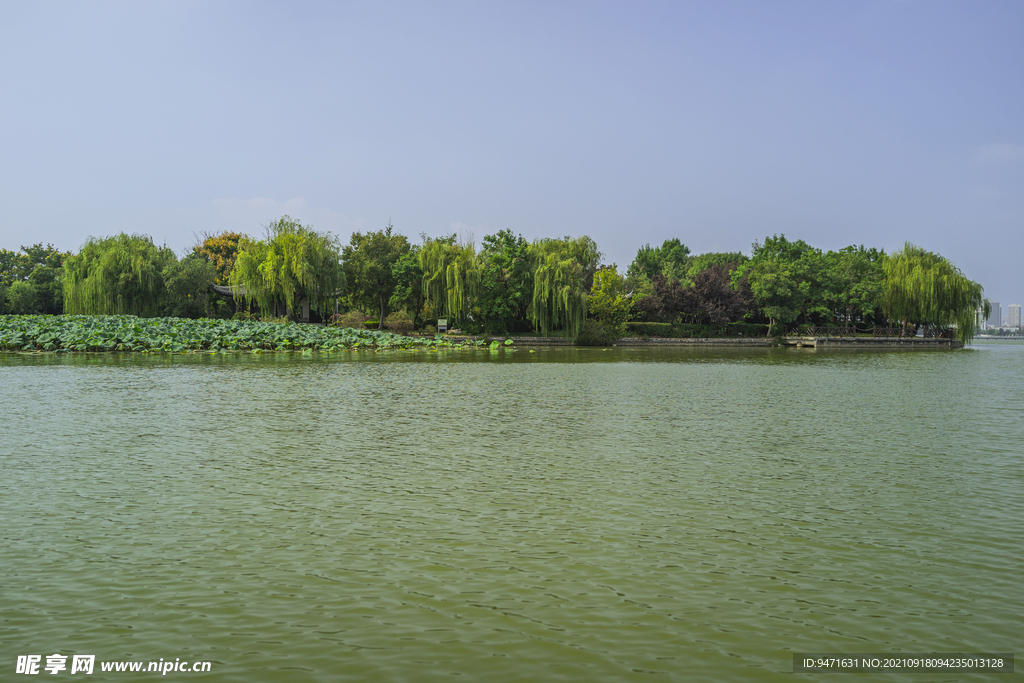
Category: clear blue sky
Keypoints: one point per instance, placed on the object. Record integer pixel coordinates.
(714, 122)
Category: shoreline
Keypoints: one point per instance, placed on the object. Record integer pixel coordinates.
(128, 334)
(894, 343)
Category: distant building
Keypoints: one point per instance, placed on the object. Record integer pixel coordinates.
(996, 318)
(1013, 315)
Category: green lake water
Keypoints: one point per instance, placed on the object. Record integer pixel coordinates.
(565, 515)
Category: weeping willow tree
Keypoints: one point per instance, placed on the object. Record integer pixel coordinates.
(451, 276)
(119, 275)
(292, 262)
(562, 274)
(924, 288)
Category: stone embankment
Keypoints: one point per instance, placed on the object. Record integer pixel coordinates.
(694, 341)
(915, 343)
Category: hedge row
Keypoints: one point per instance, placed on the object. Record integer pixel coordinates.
(688, 330)
(746, 330)
(594, 333)
(649, 330)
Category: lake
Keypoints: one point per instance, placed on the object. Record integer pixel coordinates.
(640, 514)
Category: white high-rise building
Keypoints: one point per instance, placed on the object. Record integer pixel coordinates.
(996, 318)
(1013, 315)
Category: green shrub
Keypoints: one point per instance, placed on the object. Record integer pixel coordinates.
(22, 298)
(353, 319)
(188, 287)
(472, 327)
(746, 330)
(429, 329)
(648, 329)
(398, 322)
(372, 323)
(691, 330)
(594, 333)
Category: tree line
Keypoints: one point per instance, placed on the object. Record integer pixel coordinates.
(509, 285)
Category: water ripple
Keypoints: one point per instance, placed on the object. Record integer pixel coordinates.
(572, 514)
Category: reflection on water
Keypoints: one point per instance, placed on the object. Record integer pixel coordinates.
(568, 514)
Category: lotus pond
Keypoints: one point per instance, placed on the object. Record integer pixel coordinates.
(129, 333)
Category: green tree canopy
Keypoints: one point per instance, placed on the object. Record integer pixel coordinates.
(853, 282)
(774, 287)
(369, 261)
(8, 261)
(293, 261)
(506, 283)
(671, 259)
(451, 277)
(22, 298)
(408, 292)
(804, 265)
(188, 286)
(42, 268)
(115, 275)
(729, 260)
(924, 288)
(563, 271)
(608, 302)
(787, 280)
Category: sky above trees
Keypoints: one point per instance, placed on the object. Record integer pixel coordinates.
(717, 123)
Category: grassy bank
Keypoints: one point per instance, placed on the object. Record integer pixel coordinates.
(128, 333)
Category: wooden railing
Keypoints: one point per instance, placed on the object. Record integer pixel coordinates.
(875, 331)
(946, 333)
(826, 331)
